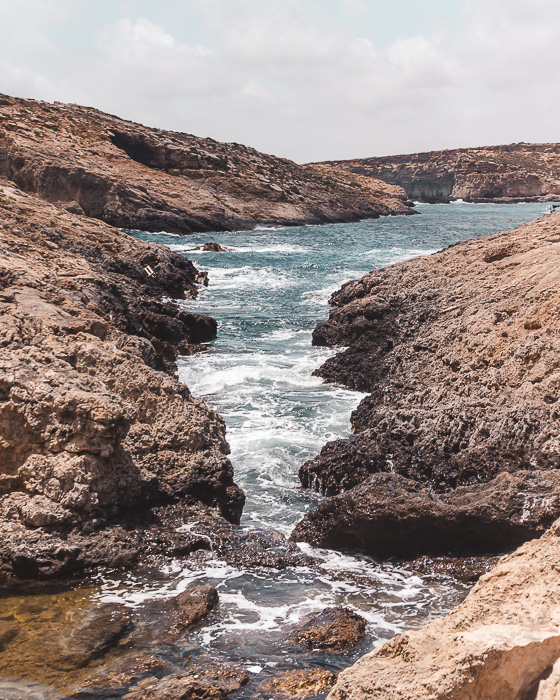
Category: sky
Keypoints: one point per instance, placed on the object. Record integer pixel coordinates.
(304, 79)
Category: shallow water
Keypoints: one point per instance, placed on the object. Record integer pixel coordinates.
(267, 295)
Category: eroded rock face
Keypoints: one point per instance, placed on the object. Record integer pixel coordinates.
(134, 177)
(501, 642)
(393, 516)
(460, 353)
(96, 434)
(515, 172)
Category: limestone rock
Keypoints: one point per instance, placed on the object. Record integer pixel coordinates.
(514, 172)
(131, 176)
(502, 642)
(96, 432)
(459, 351)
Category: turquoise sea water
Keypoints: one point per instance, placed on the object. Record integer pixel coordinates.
(267, 295)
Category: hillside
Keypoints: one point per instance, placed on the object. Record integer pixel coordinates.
(135, 177)
(516, 172)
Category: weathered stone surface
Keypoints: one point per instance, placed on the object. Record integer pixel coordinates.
(460, 351)
(195, 603)
(518, 171)
(502, 642)
(209, 681)
(130, 176)
(302, 684)
(332, 630)
(99, 442)
(179, 688)
(389, 515)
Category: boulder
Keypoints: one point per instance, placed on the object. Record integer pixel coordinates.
(195, 603)
(333, 630)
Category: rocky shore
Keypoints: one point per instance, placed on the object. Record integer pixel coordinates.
(501, 643)
(511, 173)
(103, 450)
(455, 450)
(135, 177)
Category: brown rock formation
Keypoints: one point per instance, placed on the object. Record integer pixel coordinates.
(332, 630)
(501, 643)
(135, 177)
(100, 444)
(456, 448)
(196, 603)
(516, 172)
(298, 685)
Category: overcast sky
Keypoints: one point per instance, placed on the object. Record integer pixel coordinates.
(304, 79)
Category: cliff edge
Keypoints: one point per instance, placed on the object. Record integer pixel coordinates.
(511, 173)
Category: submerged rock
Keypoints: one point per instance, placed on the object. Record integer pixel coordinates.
(332, 630)
(209, 681)
(101, 630)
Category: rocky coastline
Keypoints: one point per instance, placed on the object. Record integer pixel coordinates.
(519, 172)
(135, 177)
(454, 451)
(103, 450)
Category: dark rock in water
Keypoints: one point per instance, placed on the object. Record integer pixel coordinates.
(92, 639)
(463, 569)
(116, 677)
(459, 353)
(389, 515)
(213, 248)
(178, 688)
(245, 549)
(195, 603)
(208, 681)
(8, 631)
(332, 630)
(299, 684)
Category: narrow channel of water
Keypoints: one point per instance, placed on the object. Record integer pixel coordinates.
(268, 294)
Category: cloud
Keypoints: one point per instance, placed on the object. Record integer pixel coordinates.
(303, 78)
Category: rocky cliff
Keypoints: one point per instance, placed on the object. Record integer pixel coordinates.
(103, 452)
(516, 172)
(455, 450)
(132, 176)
